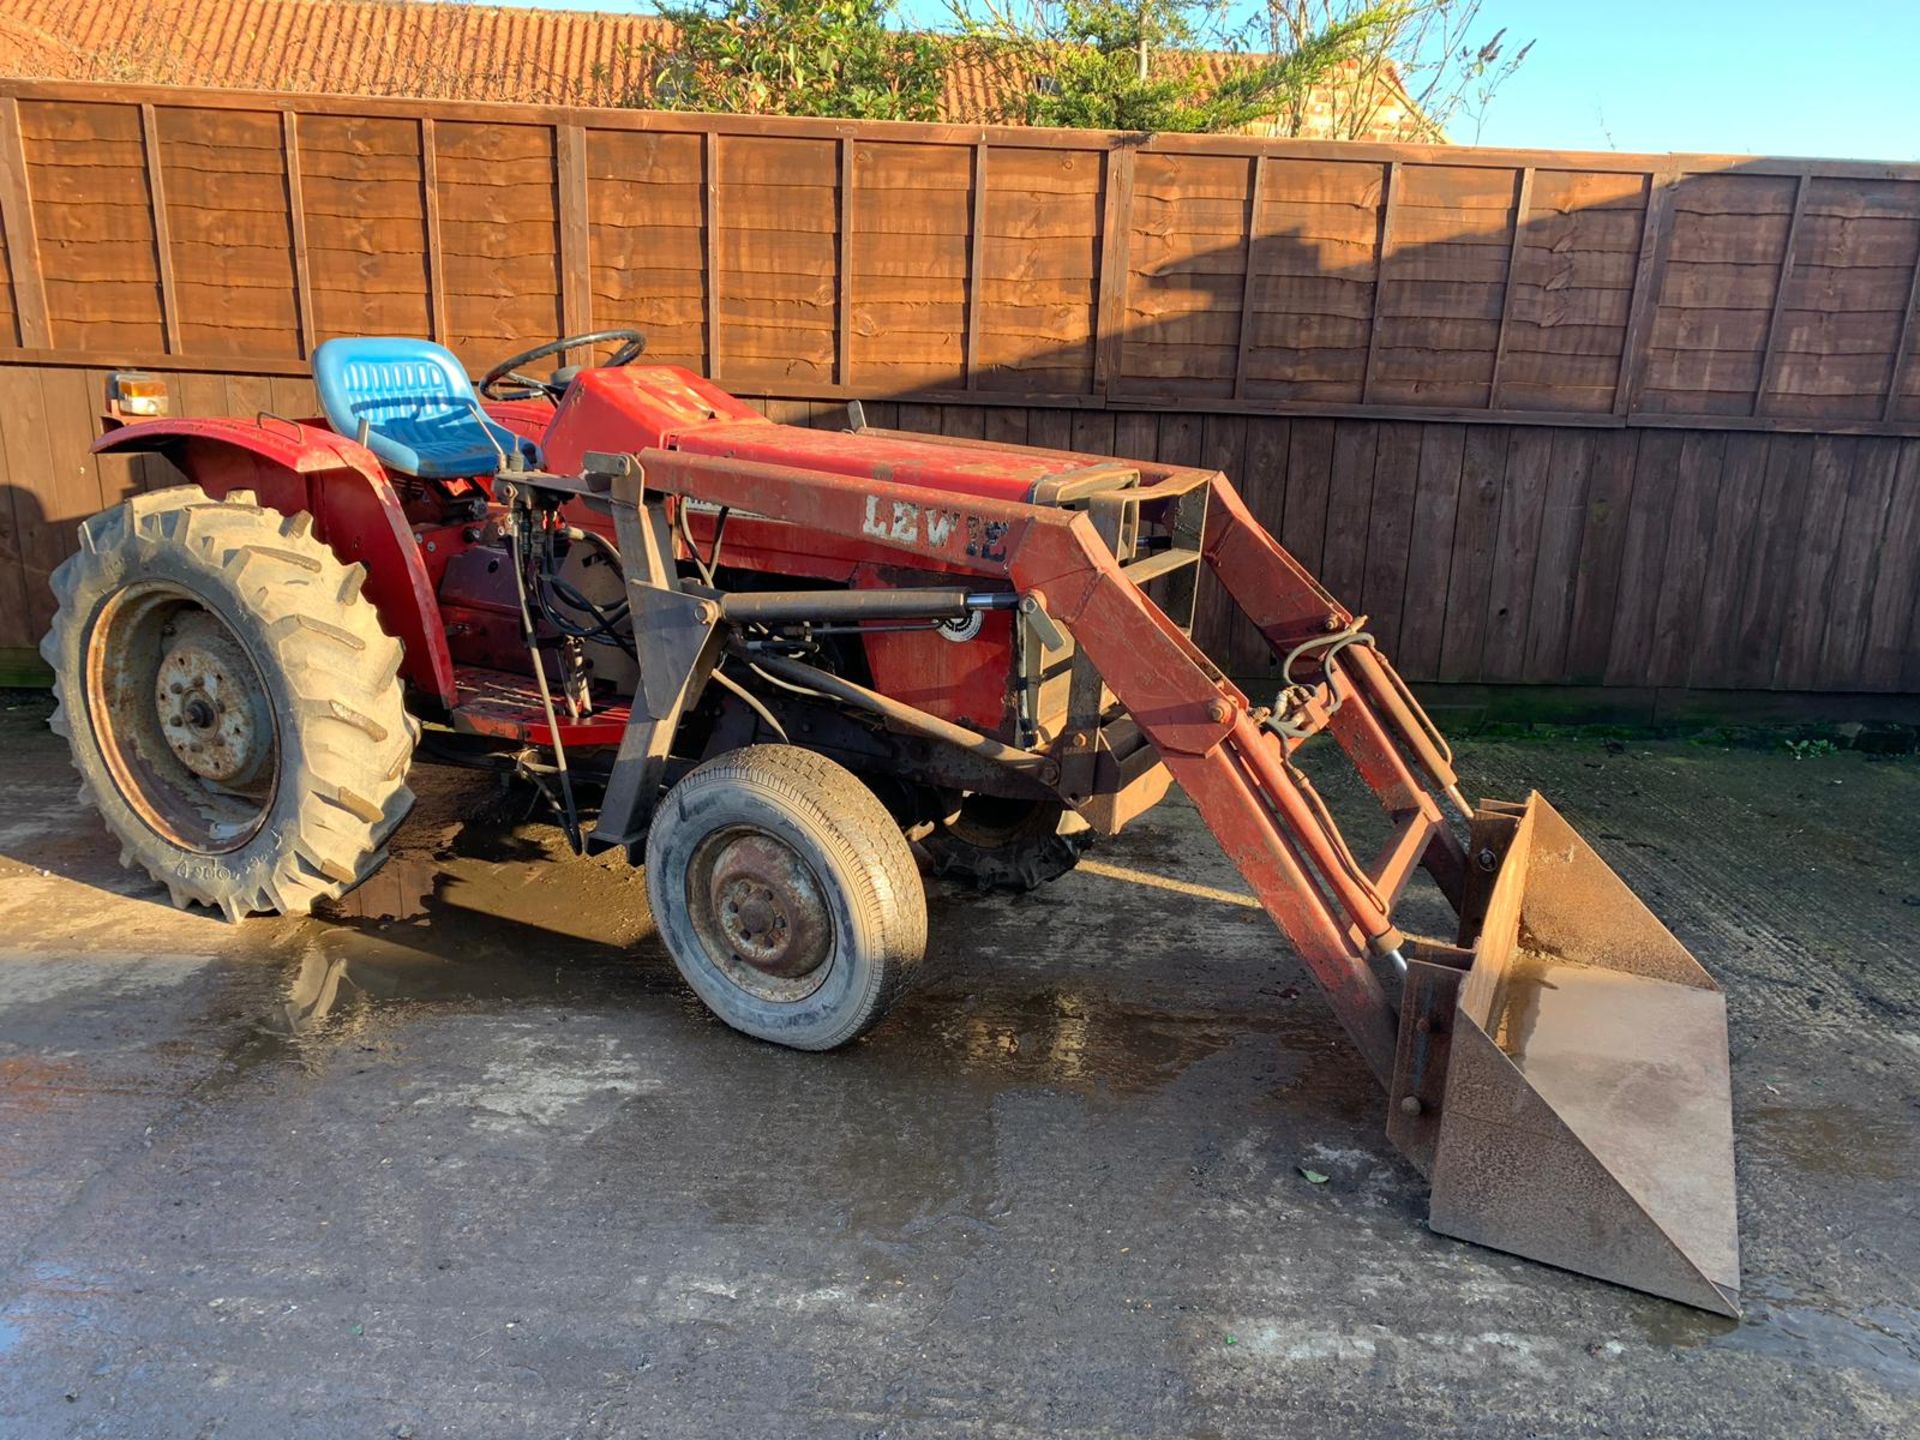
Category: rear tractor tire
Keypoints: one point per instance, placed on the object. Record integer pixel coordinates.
(232, 705)
(995, 843)
(786, 895)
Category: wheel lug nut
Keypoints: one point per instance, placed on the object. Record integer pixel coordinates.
(175, 688)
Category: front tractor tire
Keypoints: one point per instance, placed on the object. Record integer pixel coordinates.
(786, 895)
(994, 843)
(232, 705)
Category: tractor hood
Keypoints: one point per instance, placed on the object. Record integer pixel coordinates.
(644, 407)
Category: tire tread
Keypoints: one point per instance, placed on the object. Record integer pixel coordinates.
(875, 859)
(303, 606)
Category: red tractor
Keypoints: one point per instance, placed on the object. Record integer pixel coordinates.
(761, 657)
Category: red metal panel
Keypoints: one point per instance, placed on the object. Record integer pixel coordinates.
(968, 682)
(508, 707)
(296, 468)
(966, 470)
(646, 407)
(528, 419)
(633, 407)
(285, 442)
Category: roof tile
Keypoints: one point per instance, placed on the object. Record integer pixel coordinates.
(440, 51)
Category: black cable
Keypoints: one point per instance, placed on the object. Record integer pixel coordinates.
(607, 547)
(565, 626)
(576, 599)
(752, 701)
(603, 620)
(571, 813)
(684, 528)
(548, 584)
(705, 565)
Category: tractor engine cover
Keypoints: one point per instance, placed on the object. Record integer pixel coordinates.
(635, 407)
(663, 407)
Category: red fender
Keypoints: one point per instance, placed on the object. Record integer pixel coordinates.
(295, 468)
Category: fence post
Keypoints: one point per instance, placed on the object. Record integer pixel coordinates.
(843, 309)
(1116, 226)
(297, 223)
(162, 227)
(976, 248)
(576, 235)
(430, 215)
(1523, 197)
(1256, 182)
(1389, 198)
(23, 241)
(1649, 276)
(710, 251)
(1769, 354)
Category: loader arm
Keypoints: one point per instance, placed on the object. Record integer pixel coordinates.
(1557, 1169)
(1235, 772)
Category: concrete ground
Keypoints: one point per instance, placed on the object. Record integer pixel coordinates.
(489, 1171)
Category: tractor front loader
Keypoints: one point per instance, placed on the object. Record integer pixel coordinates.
(761, 658)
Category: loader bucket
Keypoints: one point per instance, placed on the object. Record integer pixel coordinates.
(1586, 1119)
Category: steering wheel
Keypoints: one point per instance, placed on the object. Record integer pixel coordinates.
(494, 384)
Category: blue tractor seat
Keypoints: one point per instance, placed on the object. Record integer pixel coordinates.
(421, 412)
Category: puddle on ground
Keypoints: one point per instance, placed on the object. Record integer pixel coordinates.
(1834, 1140)
(462, 928)
(506, 915)
(1068, 1039)
(1806, 1330)
(480, 905)
(402, 889)
(455, 954)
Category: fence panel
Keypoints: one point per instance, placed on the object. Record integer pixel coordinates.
(1694, 377)
(799, 259)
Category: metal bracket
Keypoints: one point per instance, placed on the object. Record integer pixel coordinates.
(1034, 611)
(1495, 823)
(677, 639)
(1419, 1086)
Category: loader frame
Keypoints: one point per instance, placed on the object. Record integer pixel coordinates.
(1224, 751)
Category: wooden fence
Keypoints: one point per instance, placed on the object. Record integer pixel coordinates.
(1316, 319)
(1028, 266)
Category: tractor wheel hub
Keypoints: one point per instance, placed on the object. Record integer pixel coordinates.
(211, 713)
(769, 908)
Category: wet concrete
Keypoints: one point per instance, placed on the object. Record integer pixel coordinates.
(468, 1161)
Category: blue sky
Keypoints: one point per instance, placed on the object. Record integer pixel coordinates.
(1765, 77)
(1771, 77)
